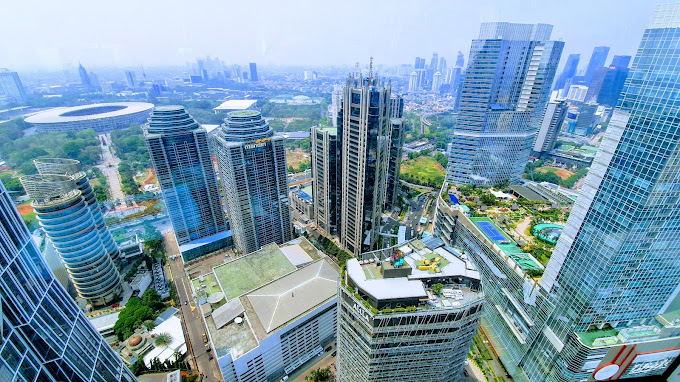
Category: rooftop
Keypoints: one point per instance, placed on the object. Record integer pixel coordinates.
(411, 269)
(268, 289)
(505, 243)
(236, 104)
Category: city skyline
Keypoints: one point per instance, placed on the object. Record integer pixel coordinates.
(105, 44)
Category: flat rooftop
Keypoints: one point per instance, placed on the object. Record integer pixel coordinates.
(435, 261)
(268, 289)
(236, 104)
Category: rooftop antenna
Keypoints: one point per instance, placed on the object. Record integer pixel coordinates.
(370, 72)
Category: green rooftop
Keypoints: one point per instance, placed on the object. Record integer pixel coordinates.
(511, 249)
(252, 271)
(588, 338)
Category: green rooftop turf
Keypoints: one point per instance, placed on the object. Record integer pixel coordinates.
(589, 337)
(252, 271)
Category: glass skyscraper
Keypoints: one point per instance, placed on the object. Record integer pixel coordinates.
(45, 337)
(179, 150)
(597, 60)
(606, 306)
(252, 166)
(507, 84)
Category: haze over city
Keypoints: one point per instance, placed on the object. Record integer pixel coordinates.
(291, 33)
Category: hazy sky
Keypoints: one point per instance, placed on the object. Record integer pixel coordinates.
(51, 34)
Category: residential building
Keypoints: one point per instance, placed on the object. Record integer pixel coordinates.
(326, 184)
(280, 310)
(252, 167)
(605, 307)
(407, 313)
(551, 123)
(577, 93)
(68, 220)
(365, 138)
(507, 84)
(436, 82)
(397, 138)
(302, 202)
(178, 147)
(335, 105)
(46, 336)
(72, 168)
(413, 82)
(569, 71)
(253, 71)
(597, 60)
(11, 89)
(130, 79)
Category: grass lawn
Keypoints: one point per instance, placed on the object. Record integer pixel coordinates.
(423, 170)
(562, 173)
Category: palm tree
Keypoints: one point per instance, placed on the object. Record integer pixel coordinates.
(163, 339)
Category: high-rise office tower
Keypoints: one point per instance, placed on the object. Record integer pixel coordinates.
(620, 61)
(326, 178)
(394, 324)
(596, 84)
(11, 89)
(68, 221)
(586, 121)
(460, 59)
(365, 136)
(434, 61)
(130, 79)
(442, 65)
(605, 308)
(612, 84)
(397, 137)
(507, 84)
(94, 79)
(178, 147)
(413, 82)
(551, 123)
(45, 335)
(417, 63)
(568, 72)
(253, 71)
(84, 77)
(597, 59)
(436, 82)
(72, 168)
(252, 166)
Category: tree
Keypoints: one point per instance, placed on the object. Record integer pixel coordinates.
(442, 159)
(163, 340)
(319, 375)
(152, 299)
(437, 288)
(488, 199)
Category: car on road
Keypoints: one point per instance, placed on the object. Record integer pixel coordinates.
(185, 302)
(328, 348)
(334, 353)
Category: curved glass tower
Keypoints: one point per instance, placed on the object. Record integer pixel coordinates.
(72, 168)
(45, 337)
(66, 218)
(178, 148)
(252, 166)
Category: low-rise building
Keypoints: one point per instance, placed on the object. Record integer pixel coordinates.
(302, 202)
(271, 310)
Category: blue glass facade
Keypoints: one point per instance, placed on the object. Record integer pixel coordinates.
(45, 337)
(507, 84)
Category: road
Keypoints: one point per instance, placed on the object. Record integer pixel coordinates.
(193, 323)
(110, 168)
(413, 217)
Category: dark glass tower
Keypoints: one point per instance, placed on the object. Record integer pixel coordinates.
(45, 337)
(179, 150)
(597, 60)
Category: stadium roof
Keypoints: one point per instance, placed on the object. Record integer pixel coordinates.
(89, 112)
(236, 104)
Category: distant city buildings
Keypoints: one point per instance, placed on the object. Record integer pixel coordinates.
(178, 148)
(84, 78)
(45, 334)
(71, 218)
(551, 123)
(564, 80)
(577, 93)
(597, 60)
(253, 71)
(502, 101)
(11, 88)
(407, 314)
(252, 168)
(130, 79)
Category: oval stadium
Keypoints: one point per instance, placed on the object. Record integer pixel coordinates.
(99, 117)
